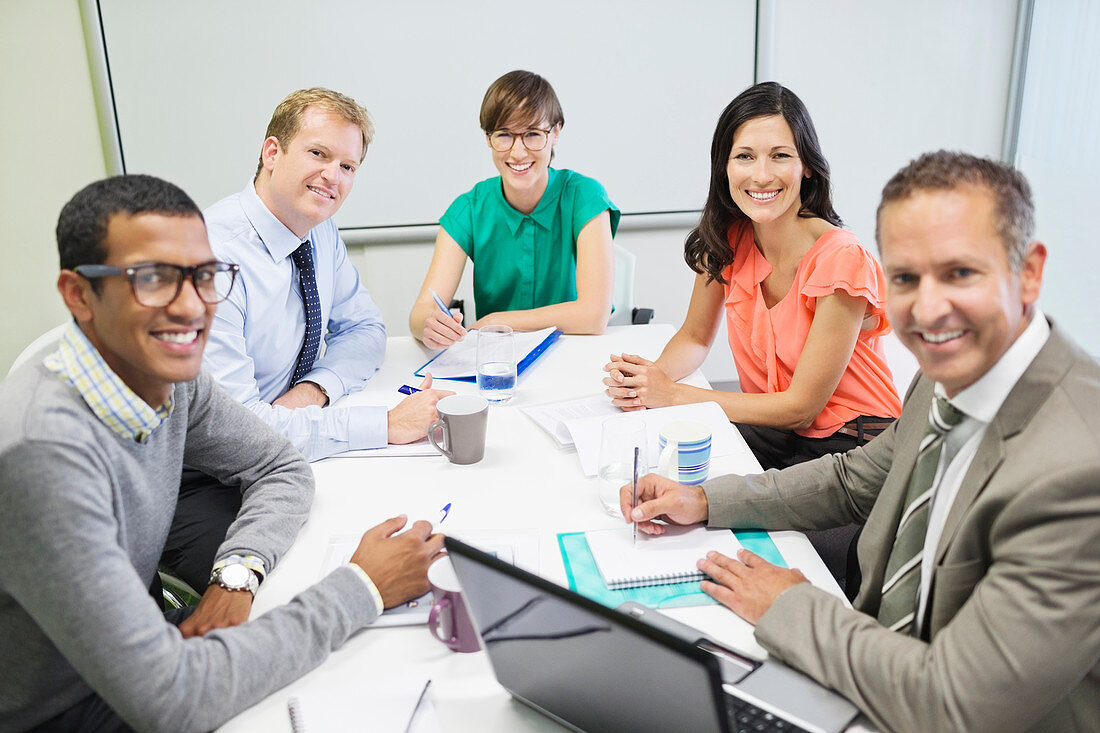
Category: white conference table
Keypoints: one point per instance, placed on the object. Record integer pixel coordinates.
(524, 483)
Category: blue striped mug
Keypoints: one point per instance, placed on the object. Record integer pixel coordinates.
(684, 449)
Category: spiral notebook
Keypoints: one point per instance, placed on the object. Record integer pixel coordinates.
(401, 703)
(669, 558)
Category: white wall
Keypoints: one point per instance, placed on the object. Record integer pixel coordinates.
(847, 59)
(49, 145)
(1059, 152)
(886, 81)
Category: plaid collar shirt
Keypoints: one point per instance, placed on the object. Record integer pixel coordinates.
(116, 405)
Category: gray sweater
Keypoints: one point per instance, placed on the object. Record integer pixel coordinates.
(84, 515)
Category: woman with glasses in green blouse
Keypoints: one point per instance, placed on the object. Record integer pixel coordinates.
(539, 237)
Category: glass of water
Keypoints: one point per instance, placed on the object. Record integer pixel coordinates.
(496, 363)
(621, 435)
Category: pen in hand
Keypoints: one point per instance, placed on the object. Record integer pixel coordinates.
(634, 488)
(439, 301)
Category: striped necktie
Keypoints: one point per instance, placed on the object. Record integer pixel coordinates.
(307, 281)
(899, 593)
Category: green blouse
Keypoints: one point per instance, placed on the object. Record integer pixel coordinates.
(524, 261)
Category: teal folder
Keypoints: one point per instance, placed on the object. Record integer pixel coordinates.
(584, 577)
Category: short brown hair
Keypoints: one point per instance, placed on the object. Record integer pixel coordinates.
(520, 92)
(287, 117)
(943, 170)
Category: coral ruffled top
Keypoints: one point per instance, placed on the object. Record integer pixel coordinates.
(767, 342)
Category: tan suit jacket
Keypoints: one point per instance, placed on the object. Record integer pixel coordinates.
(1012, 636)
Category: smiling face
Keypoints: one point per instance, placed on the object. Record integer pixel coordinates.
(150, 349)
(764, 170)
(952, 296)
(524, 173)
(305, 181)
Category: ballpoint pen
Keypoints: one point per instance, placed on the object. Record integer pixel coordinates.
(406, 389)
(445, 511)
(439, 301)
(634, 487)
(416, 709)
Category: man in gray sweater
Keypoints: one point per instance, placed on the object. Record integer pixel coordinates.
(92, 440)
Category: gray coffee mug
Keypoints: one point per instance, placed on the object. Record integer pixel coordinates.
(462, 421)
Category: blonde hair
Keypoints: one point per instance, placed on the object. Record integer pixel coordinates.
(287, 117)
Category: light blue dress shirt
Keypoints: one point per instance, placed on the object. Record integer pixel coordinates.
(258, 331)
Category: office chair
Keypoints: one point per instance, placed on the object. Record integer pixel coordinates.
(40, 347)
(175, 592)
(623, 311)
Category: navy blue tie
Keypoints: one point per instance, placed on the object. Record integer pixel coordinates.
(307, 281)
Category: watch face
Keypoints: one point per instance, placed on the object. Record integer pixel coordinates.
(235, 576)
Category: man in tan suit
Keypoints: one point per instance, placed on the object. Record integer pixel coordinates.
(979, 607)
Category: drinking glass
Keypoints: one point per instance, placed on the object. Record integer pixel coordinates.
(496, 363)
(620, 436)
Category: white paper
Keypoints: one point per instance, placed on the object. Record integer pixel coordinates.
(412, 613)
(587, 431)
(417, 448)
(388, 705)
(516, 547)
(656, 560)
(460, 359)
(552, 416)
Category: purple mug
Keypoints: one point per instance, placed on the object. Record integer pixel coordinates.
(449, 621)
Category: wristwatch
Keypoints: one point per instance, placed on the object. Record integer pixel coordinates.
(235, 575)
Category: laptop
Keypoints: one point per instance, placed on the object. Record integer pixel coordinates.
(595, 669)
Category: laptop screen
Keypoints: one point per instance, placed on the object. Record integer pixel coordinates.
(584, 664)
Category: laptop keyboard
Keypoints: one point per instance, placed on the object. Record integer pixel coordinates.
(745, 717)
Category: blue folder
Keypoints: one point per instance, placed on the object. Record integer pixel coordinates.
(525, 362)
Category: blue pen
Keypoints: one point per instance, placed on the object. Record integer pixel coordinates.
(406, 389)
(439, 301)
(446, 510)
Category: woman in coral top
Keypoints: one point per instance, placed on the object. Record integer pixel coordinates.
(803, 300)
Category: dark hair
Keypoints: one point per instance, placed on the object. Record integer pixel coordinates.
(1014, 211)
(82, 225)
(707, 248)
(520, 92)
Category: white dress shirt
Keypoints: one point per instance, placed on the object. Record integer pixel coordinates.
(980, 403)
(258, 331)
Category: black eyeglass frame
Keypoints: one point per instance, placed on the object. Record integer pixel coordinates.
(92, 272)
(519, 137)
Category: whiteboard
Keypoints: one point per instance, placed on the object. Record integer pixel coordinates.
(885, 82)
(191, 86)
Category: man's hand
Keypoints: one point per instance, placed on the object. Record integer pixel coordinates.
(303, 394)
(441, 331)
(409, 421)
(664, 499)
(218, 609)
(398, 563)
(747, 586)
(634, 383)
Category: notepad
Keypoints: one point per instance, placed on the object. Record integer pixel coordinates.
(459, 362)
(656, 560)
(397, 703)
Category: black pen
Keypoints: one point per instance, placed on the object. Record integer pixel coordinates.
(634, 486)
(416, 709)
